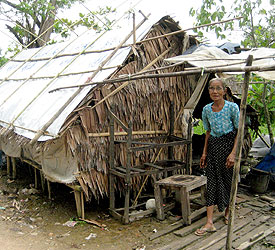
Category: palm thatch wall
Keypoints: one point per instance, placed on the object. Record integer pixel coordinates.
(144, 102)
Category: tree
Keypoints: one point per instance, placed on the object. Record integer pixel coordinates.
(37, 18)
(257, 23)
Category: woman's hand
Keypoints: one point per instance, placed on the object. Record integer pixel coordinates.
(203, 161)
(230, 160)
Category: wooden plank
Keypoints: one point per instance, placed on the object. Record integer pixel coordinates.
(241, 233)
(197, 212)
(189, 229)
(213, 238)
(247, 244)
(247, 232)
(180, 244)
(167, 230)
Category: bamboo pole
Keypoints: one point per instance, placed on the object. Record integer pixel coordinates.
(134, 29)
(49, 190)
(35, 179)
(27, 129)
(176, 74)
(13, 168)
(125, 84)
(267, 116)
(67, 74)
(153, 132)
(36, 137)
(8, 166)
(82, 205)
(234, 185)
(139, 42)
(42, 66)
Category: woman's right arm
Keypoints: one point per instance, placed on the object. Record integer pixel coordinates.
(204, 153)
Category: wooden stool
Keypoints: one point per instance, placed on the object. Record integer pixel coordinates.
(185, 184)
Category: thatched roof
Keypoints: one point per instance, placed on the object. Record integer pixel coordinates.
(70, 148)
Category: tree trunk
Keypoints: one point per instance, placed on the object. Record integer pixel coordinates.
(46, 27)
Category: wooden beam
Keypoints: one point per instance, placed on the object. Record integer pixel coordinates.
(218, 69)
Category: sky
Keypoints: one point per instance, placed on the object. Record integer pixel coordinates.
(177, 9)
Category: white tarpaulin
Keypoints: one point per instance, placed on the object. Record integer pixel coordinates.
(205, 56)
(25, 102)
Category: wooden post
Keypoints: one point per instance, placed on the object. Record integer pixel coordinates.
(171, 130)
(185, 205)
(78, 203)
(159, 202)
(189, 147)
(35, 178)
(8, 166)
(82, 205)
(49, 190)
(234, 185)
(111, 161)
(127, 179)
(13, 168)
(42, 181)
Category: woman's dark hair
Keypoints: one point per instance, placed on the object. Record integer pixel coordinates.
(218, 79)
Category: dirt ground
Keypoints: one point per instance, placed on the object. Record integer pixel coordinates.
(29, 220)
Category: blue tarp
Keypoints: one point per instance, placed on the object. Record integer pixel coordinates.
(268, 163)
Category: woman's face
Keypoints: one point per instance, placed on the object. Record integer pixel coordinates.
(216, 91)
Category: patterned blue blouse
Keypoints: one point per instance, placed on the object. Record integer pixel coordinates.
(222, 122)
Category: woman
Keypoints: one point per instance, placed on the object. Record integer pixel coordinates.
(220, 120)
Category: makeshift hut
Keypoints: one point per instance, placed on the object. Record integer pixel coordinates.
(64, 131)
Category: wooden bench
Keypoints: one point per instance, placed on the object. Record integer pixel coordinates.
(185, 184)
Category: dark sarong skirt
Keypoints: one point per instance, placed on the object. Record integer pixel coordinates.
(219, 178)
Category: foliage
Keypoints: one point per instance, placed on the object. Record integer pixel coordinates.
(199, 129)
(257, 32)
(255, 98)
(11, 51)
(38, 18)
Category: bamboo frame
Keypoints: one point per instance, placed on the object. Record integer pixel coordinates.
(221, 69)
(61, 75)
(36, 137)
(27, 129)
(128, 81)
(151, 132)
(140, 42)
(27, 60)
